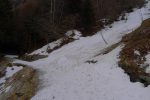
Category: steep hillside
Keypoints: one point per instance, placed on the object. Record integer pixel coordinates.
(80, 70)
(76, 67)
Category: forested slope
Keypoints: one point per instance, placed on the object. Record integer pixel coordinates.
(28, 24)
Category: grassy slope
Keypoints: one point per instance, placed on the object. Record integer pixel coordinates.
(138, 40)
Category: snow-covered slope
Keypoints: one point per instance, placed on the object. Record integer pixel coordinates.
(66, 75)
(73, 34)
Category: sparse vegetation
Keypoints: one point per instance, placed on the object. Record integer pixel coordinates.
(138, 40)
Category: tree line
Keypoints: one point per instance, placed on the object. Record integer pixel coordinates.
(29, 24)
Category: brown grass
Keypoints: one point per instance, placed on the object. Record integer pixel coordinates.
(138, 40)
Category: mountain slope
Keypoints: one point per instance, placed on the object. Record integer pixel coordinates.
(70, 74)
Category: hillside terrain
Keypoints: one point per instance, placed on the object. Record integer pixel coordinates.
(26, 25)
(107, 60)
(83, 70)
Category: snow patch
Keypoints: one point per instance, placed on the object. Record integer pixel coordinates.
(137, 53)
(11, 56)
(148, 63)
(43, 50)
(10, 71)
(75, 34)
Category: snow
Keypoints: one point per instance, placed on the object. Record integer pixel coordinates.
(148, 62)
(75, 34)
(11, 56)
(43, 50)
(70, 34)
(137, 53)
(10, 71)
(65, 75)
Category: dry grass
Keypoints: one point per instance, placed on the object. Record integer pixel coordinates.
(138, 40)
(23, 85)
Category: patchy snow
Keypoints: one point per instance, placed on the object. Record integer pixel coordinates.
(75, 34)
(70, 34)
(8, 88)
(11, 56)
(43, 50)
(137, 53)
(10, 71)
(148, 63)
(65, 75)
